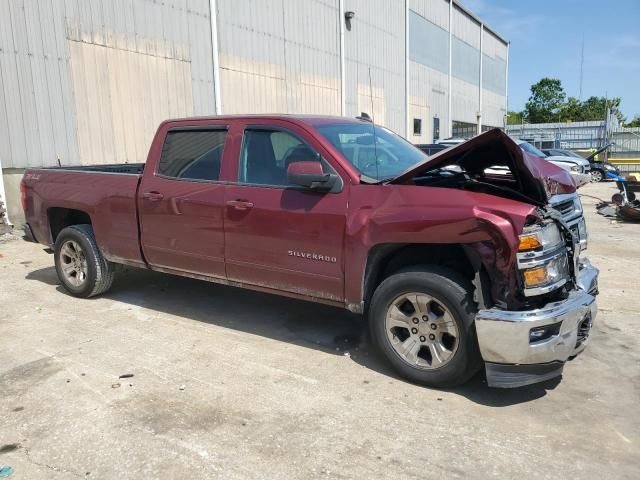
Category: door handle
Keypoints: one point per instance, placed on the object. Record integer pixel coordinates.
(153, 196)
(240, 204)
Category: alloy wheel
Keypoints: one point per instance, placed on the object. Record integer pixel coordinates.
(422, 330)
(73, 263)
(596, 175)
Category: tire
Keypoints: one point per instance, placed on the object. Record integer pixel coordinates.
(597, 176)
(617, 199)
(81, 268)
(449, 293)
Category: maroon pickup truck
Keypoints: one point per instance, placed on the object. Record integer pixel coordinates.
(470, 258)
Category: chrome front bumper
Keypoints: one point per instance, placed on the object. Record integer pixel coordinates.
(513, 360)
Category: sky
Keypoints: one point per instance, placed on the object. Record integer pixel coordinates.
(546, 38)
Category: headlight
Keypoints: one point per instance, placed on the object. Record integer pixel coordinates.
(539, 237)
(609, 167)
(542, 259)
(575, 168)
(552, 273)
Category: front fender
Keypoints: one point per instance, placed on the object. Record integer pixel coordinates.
(409, 215)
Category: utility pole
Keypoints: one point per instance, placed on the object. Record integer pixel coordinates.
(581, 68)
(606, 119)
(449, 102)
(215, 58)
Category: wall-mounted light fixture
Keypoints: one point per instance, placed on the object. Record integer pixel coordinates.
(347, 19)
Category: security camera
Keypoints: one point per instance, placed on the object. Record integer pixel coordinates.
(347, 18)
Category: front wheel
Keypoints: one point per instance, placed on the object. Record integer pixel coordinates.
(422, 320)
(596, 176)
(81, 268)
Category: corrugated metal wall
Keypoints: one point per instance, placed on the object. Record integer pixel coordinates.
(376, 42)
(429, 82)
(89, 80)
(465, 67)
(493, 80)
(280, 56)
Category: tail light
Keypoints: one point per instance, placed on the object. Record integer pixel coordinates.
(23, 194)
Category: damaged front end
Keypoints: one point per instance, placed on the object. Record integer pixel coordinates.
(544, 301)
(491, 163)
(522, 347)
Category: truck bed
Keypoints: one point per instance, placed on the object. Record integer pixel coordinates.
(103, 195)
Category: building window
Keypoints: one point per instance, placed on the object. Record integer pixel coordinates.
(464, 129)
(417, 126)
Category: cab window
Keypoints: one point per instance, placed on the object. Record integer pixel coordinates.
(192, 155)
(266, 155)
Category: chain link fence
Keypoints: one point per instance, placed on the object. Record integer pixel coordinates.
(582, 137)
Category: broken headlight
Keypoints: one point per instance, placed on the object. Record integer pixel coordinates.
(542, 259)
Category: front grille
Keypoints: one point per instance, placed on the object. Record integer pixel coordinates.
(565, 208)
(570, 208)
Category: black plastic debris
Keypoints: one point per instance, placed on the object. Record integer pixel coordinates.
(629, 211)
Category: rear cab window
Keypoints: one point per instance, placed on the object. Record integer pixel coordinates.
(192, 154)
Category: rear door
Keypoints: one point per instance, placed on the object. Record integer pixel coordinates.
(181, 203)
(278, 235)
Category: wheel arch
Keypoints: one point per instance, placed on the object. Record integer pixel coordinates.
(60, 217)
(386, 259)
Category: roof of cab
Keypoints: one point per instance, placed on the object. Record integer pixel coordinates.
(301, 118)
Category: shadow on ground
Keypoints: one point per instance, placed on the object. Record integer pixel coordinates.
(329, 329)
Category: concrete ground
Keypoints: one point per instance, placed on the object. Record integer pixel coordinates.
(233, 384)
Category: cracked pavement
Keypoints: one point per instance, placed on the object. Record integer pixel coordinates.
(233, 384)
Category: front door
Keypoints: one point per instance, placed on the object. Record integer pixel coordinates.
(278, 235)
(182, 204)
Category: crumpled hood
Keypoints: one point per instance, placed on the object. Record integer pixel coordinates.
(537, 178)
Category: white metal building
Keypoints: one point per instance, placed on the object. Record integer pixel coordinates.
(88, 81)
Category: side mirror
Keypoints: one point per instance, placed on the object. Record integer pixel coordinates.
(309, 174)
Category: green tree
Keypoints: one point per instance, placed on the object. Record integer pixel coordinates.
(571, 110)
(515, 118)
(595, 108)
(547, 97)
(635, 122)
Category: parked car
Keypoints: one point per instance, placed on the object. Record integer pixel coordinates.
(455, 268)
(451, 141)
(599, 170)
(432, 148)
(579, 168)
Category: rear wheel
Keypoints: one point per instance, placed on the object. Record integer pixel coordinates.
(597, 175)
(422, 320)
(81, 268)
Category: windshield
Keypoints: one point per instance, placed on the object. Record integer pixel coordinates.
(388, 157)
(527, 147)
